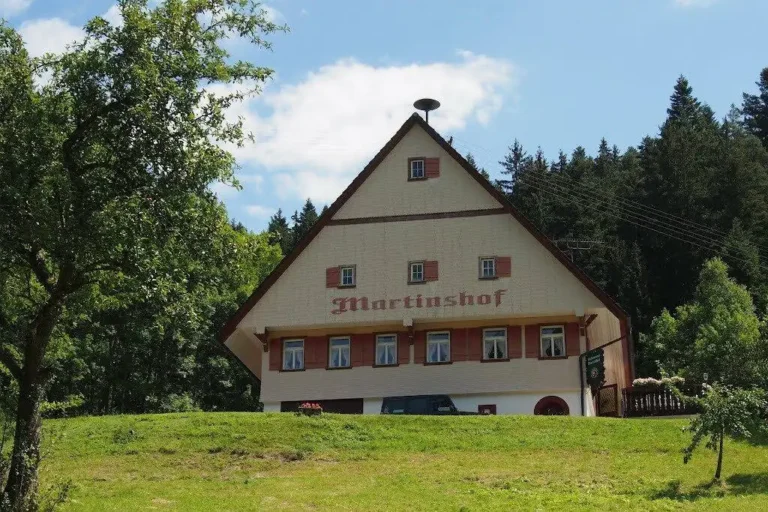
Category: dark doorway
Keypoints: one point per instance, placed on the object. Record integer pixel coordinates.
(551, 406)
(343, 406)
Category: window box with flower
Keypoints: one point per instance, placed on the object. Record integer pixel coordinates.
(310, 409)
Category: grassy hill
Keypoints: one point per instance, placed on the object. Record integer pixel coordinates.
(241, 461)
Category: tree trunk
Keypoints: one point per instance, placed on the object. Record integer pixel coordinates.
(21, 488)
(720, 457)
(20, 494)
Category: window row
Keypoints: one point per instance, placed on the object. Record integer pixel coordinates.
(421, 271)
(432, 347)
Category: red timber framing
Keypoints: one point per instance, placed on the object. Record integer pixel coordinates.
(326, 219)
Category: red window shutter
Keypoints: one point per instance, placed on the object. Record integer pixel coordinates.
(572, 344)
(315, 352)
(532, 341)
(332, 277)
(403, 348)
(356, 343)
(430, 270)
(515, 341)
(458, 344)
(432, 167)
(503, 266)
(275, 355)
(474, 344)
(419, 347)
(363, 346)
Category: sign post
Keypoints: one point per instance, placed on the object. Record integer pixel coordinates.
(595, 368)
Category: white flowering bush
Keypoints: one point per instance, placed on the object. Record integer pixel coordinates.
(664, 382)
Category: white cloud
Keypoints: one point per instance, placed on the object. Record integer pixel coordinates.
(694, 3)
(255, 179)
(46, 35)
(272, 14)
(322, 130)
(12, 7)
(222, 190)
(114, 16)
(257, 210)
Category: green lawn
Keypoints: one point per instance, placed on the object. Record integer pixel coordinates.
(242, 461)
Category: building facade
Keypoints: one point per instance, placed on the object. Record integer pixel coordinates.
(422, 279)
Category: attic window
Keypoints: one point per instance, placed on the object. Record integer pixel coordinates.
(347, 276)
(416, 169)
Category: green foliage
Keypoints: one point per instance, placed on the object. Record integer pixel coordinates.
(726, 412)
(755, 109)
(302, 223)
(718, 334)
(711, 173)
(108, 230)
(280, 231)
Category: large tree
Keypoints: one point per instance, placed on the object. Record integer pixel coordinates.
(104, 169)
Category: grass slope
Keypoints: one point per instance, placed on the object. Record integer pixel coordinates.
(241, 461)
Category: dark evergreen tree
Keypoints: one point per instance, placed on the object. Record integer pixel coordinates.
(280, 231)
(303, 222)
(755, 109)
(682, 104)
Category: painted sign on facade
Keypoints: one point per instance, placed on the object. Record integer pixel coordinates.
(351, 304)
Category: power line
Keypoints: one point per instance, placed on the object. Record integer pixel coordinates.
(639, 224)
(620, 208)
(705, 233)
(628, 214)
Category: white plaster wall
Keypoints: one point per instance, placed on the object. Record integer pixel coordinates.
(372, 405)
(271, 406)
(465, 377)
(387, 190)
(516, 403)
(539, 285)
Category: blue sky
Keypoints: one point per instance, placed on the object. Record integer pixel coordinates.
(555, 74)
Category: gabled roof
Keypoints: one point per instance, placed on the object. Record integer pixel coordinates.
(324, 219)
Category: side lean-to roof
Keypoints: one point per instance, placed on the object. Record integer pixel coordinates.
(325, 219)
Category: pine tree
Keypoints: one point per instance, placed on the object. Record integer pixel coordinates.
(755, 110)
(683, 105)
(280, 232)
(303, 222)
(471, 160)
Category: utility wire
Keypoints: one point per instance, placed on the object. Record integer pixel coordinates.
(620, 209)
(628, 214)
(686, 226)
(639, 224)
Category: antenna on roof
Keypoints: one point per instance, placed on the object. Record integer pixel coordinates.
(426, 104)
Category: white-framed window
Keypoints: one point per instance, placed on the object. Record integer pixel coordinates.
(417, 169)
(338, 347)
(495, 343)
(487, 267)
(552, 341)
(438, 347)
(416, 271)
(347, 276)
(293, 355)
(386, 349)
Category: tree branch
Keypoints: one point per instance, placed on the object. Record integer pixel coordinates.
(9, 360)
(37, 264)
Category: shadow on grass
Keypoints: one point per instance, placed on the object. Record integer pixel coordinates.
(734, 485)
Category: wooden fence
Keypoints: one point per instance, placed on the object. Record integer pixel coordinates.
(638, 402)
